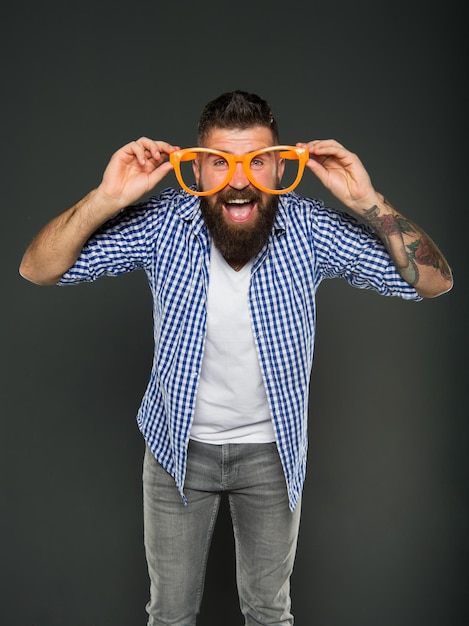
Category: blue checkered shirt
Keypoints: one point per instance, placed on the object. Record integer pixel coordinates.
(166, 237)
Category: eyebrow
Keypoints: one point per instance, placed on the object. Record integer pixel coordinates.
(221, 150)
(237, 153)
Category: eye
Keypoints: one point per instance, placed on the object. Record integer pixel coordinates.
(217, 162)
(257, 163)
(220, 163)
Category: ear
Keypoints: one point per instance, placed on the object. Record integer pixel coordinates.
(196, 170)
(280, 169)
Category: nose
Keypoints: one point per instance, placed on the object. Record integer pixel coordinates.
(239, 180)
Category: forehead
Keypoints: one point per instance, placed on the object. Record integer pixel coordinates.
(239, 140)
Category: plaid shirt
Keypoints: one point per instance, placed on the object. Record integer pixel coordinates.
(166, 236)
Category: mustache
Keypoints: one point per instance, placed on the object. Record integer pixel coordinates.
(249, 194)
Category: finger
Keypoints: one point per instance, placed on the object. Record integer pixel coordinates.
(317, 167)
(328, 148)
(136, 149)
(320, 143)
(159, 173)
(316, 160)
(159, 150)
(324, 152)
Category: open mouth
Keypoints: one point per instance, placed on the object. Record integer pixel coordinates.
(240, 210)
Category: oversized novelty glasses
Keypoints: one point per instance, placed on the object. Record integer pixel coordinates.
(260, 167)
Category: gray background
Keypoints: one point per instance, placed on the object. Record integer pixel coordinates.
(384, 531)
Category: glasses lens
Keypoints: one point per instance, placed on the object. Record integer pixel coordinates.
(186, 167)
(267, 167)
(214, 169)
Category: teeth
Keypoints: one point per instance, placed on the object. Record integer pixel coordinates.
(239, 201)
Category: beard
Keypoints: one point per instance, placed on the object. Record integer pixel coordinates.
(239, 243)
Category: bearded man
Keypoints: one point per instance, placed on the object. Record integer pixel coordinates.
(233, 260)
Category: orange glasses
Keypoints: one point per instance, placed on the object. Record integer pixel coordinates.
(258, 166)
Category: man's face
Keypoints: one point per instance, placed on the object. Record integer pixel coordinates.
(240, 216)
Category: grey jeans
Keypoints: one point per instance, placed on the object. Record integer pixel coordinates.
(177, 537)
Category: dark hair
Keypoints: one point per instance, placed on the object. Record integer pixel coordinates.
(236, 109)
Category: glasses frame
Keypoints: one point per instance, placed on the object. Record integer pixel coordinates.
(286, 152)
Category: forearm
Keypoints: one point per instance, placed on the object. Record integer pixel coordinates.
(57, 246)
(415, 255)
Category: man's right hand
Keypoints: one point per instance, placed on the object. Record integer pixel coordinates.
(134, 170)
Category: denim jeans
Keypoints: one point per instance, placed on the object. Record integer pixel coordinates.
(177, 537)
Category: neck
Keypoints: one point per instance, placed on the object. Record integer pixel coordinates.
(236, 264)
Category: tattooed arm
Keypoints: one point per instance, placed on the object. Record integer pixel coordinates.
(416, 257)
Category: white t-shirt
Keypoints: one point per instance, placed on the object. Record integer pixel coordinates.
(231, 405)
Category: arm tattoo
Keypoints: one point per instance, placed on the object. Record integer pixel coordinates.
(411, 273)
(420, 251)
(388, 224)
(424, 252)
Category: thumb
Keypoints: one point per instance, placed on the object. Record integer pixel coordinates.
(159, 173)
(318, 170)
